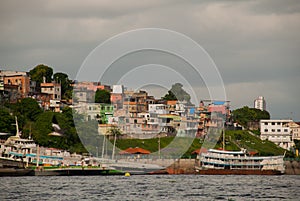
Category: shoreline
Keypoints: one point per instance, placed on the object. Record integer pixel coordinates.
(179, 167)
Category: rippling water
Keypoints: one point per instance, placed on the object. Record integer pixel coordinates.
(151, 187)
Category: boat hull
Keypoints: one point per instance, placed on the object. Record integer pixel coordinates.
(15, 172)
(75, 172)
(237, 172)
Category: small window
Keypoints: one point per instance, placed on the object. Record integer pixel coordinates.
(273, 123)
(285, 130)
(278, 123)
(266, 130)
(278, 130)
(273, 130)
(266, 123)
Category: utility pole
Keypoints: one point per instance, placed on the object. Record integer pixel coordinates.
(159, 146)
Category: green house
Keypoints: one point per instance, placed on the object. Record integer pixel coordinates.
(106, 111)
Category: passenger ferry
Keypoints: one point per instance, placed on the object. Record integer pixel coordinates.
(238, 162)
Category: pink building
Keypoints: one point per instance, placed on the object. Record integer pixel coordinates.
(93, 86)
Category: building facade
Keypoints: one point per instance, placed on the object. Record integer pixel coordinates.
(295, 128)
(53, 89)
(260, 103)
(277, 131)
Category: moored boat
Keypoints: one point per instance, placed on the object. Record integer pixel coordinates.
(15, 172)
(238, 162)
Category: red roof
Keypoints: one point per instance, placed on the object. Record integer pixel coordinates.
(252, 153)
(135, 150)
(198, 151)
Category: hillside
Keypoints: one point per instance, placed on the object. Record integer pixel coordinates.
(234, 140)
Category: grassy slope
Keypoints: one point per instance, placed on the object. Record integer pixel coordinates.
(253, 143)
(233, 139)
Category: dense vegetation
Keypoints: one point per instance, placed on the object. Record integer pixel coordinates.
(66, 89)
(102, 96)
(38, 124)
(42, 71)
(246, 114)
(177, 93)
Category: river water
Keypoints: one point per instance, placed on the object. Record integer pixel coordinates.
(151, 187)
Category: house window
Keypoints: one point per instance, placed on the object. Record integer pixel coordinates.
(273, 130)
(266, 130)
(285, 130)
(278, 123)
(266, 123)
(273, 123)
(278, 130)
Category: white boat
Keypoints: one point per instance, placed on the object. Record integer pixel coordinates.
(13, 151)
(238, 162)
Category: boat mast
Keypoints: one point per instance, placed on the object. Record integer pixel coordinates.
(103, 147)
(223, 132)
(17, 127)
(114, 147)
(223, 139)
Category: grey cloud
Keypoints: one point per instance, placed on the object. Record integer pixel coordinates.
(276, 7)
(255, 44)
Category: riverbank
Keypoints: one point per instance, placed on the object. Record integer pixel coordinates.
(292, 167)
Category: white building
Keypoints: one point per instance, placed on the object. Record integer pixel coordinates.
(260, 103)
(277, 131)
(118, 89)
(155, 109)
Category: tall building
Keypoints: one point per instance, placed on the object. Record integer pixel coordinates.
(260, 103)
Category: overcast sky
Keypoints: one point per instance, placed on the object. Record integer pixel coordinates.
(255, 44)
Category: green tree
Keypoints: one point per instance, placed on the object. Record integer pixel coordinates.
(28, 108)
(43, 127)
(177, 93)
(102, 96)
(40, 71)
(114, 131)
(246, 114)
(169, 96)
(6, 122)
(63, 79)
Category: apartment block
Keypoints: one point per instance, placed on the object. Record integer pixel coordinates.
(277, 131)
